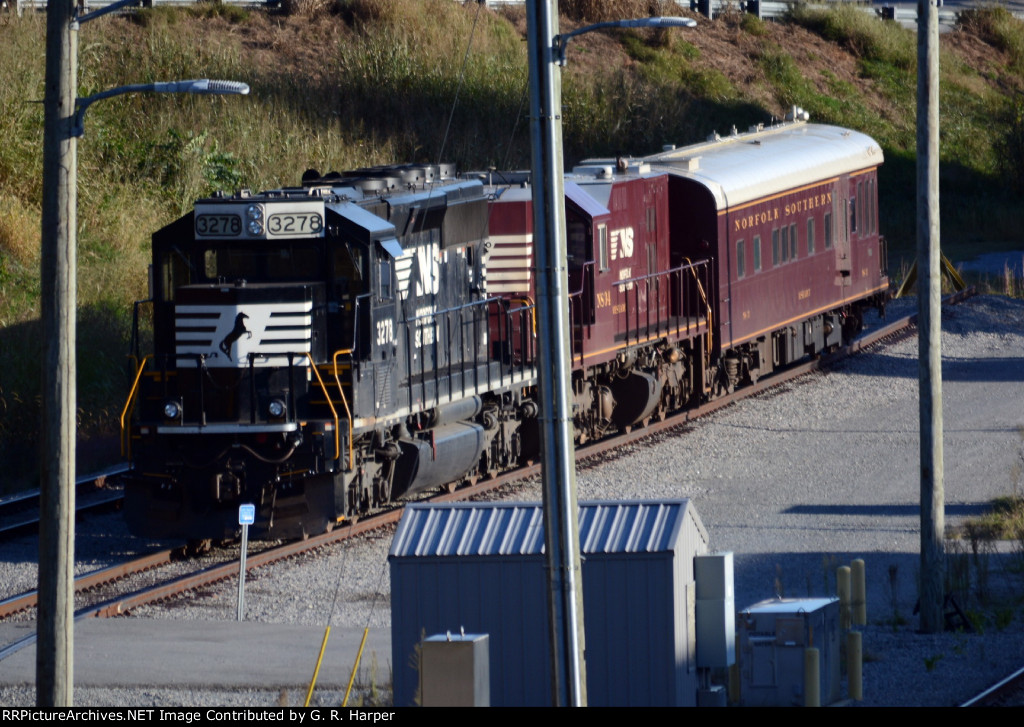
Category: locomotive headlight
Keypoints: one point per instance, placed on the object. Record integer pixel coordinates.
(172, 409)
(275, 409)
(254, 219)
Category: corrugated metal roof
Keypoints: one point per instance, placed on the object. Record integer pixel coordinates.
(491, 529)
(744, 167)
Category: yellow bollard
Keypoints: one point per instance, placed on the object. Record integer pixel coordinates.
(812, 680)
(859, 601)
(843, 586)
(854, 665)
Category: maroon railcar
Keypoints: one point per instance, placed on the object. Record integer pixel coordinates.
(789, 215)
(699, 268)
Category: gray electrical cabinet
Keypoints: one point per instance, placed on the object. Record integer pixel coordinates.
(455, 671)
(773, 637)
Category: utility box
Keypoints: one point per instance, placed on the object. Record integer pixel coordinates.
(773, 636)
(455, 671)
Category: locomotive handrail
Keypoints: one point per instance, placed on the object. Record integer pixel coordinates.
(646, 279)
(344, 401)
(334, 413)
(128, 405)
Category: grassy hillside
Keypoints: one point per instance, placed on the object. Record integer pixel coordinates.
(343, 83)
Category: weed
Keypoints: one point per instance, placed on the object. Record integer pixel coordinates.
(977, 620)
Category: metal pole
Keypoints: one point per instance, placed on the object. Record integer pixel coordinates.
(929, 318)
(565, 594)
(55, 648)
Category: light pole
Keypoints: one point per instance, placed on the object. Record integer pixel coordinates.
(558, 471)
(62, 127)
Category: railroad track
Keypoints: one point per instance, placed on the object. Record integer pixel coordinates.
(19, 513)
(120, 604)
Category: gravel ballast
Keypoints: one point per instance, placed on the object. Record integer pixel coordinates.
(795, 482)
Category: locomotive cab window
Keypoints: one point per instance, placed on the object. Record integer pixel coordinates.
(384, 270)
(576, 250)
(348, 272)
(283, 261)
(602, 242)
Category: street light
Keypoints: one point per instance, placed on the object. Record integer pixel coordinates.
(546, 51)
(198, 86)
(659, 22)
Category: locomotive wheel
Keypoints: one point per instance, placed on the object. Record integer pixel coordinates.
(196, 548)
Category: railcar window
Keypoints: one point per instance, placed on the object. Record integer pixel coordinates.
(784, 245)
(602, 237)
(297, 261)
(872, 216)
(810, 235)
(860, 201)
(792, 241)
(757, 253)
(828, 230)
(853, 215)
(775, 246)
(740, 260)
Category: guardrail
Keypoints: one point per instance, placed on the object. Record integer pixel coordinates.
(766, 9)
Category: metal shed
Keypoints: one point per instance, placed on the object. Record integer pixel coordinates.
(480, 567)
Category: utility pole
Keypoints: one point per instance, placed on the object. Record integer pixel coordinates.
(55, 646)
(933, 516)
(561, 526)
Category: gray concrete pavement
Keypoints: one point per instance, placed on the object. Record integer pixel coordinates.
(131, 652)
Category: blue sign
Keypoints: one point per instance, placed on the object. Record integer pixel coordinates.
(246, 514)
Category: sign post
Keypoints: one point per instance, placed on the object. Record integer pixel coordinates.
(246, 517)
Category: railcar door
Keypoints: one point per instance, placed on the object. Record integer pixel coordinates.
(844, 207)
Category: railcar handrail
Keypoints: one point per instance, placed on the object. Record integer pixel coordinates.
(707, 304)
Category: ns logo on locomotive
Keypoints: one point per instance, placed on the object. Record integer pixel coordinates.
(325, 349)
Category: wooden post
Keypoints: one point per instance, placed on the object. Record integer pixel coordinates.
(54, 650)
(929, 319)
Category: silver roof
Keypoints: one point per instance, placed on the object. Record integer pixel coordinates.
(490, 529)
(741, 168)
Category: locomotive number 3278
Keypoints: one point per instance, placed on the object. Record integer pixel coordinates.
(385, 331)
(309, 223)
